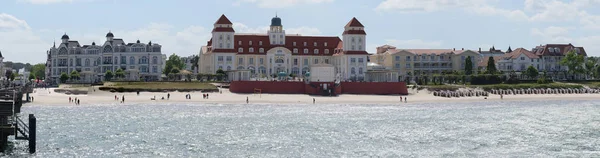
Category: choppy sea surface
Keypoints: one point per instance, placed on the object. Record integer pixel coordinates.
(479, 129)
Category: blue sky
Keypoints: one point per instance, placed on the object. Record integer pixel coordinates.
(28, 27)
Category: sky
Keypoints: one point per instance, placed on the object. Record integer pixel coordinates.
(29, 27)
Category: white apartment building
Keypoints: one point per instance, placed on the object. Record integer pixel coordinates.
(418, 62)
(273, 52)
(140, 61)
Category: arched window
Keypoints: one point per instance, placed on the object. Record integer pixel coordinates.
(360, 70)
(144, 60)
(261, 50)
(262, 70)
(279, 60)
(62, 51)
(154, 60)
(353, 71)
(304, 70)
(241, 50)
(228, 68)
(252, 70)
(240, 68)
(296, 70)
(116, 60)
(295, 50)
(251, 50)
(305, 51)
(87, 62)
(107, 49)
(70, 62)
(316, 51)
(98, 61)
(131, 60)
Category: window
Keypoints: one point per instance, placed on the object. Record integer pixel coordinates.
(250, 43)
(260, 43)
(352, 40)
(280, 36)
(432, 57)
(305, 44)
(397, 66)
(251, 50)
(154, 69)
(261, 61)
(295, 61)
(522, 58)
(326, 51)
(240, 50)
(295, 50)
(532, 60)
(87, 62)
(294, 43)
(251, 61)
(279, 61)
(221, 37)
(325, 44)
(220, 58)
(228, 59)
(228, 68)
(353, 60)
(305, 51)
(326, 61)
(261, 50)
(353, 71)
(280, 42)
(316, 61)
(316, 51)
(462, 58)
(315, 44)
(220, 45)
(360, 70)
(407, 65)
(241, 61)
(360, 60)
(239, 42)
(359, 47)
(397, 58)
(407, 58)
(305, 61)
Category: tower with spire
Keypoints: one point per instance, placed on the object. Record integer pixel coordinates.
(276, 32)
(223, 34)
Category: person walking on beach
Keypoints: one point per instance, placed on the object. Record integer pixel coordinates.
(246, 100)
(123, 99)
(313, 100)
(405, 99)
(168, 96)
(501, 96)
(69, 99)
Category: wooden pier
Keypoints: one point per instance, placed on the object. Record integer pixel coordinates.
(11, 100)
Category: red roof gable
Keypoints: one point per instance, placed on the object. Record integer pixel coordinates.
(223, 20)
(517, 52)
(354, 23)
(557, 50)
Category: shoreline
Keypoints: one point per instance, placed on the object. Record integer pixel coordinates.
(42, 97)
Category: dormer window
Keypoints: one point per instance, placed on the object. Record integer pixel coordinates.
(551, 50)
(326, 51)
(239, 42)
(260, 43)
(250, 43)
(251, 50)
(305, 51)
(295, 50)
(315, 44)
(294, 43)
(316, 51)
(261, 50)
(325, 44)
(241, 50)
(305, 44)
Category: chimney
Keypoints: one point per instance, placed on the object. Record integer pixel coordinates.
(453, 49)
(462, 48)
(479, 49)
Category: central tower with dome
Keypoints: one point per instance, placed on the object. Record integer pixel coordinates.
(276, 32)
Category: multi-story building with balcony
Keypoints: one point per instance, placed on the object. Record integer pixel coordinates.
(275, 52)
(418, 62)
(140, 61)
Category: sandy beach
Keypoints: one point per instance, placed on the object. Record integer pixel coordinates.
(49, 97)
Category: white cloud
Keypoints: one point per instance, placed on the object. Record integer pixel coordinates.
(414, 43)
(550, 32)
(242, 28)
(18, 41)
(280, 3)
(307, 31)
(590, 21)
(476, 6)
(9, 22)
(552, 10)
(510, 14)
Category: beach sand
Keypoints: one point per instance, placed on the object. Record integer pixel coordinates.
(43, 97)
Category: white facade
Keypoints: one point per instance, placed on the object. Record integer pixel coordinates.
(94, 60)
(274, 52)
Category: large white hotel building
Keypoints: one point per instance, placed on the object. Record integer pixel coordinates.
(140, 61)
(273, 52)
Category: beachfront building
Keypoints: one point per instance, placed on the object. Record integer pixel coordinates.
(518, 60)
(267, 55)
(493, 52)
(140, 61)
(189, 65)
(423, 62)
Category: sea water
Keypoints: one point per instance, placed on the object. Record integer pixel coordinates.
(478, 129)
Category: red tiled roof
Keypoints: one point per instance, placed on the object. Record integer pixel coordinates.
(223, 29)
(223, 20)
(332, 44)
(484, 61)
(356, 52)
(224, 50)
(425, 51)
(563, 49)
(517, 52)
(355, 32)
(354, 23)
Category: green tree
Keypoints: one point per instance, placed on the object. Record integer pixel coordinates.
(39, 70)
(31, 76)
(174, 61)
(194, 61)
(74, 75)
(573, 61)
(491, 66)
(220, 71)
(108, 75)
(64, 77)
(175, 70)
(531, 72)
(590, 65)
(119, 73)
(13, 76)
(468, 66)
(597, 72)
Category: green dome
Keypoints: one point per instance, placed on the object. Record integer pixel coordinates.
(307, 74)
(276, 21)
